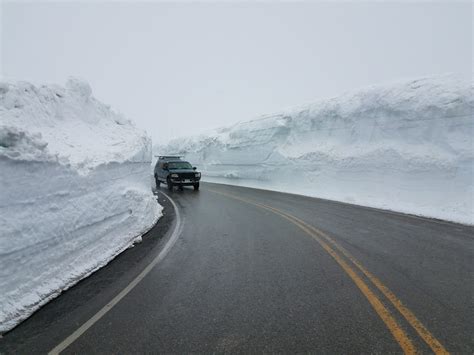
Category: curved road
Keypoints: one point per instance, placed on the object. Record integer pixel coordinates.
(261, 271)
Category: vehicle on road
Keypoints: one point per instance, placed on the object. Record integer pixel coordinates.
(173, 171)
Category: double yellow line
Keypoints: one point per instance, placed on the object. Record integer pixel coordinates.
(350, 265)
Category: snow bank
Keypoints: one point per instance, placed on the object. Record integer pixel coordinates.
(407, 146)
(75, 191)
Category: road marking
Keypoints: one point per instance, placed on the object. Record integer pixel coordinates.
(422, 331)
(96, 317)
(398, 333)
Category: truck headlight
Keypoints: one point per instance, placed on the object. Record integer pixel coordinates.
(198, 175)
(174, 175)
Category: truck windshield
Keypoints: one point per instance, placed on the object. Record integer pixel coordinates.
(179, 165)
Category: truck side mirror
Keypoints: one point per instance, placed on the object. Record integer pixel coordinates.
(165, 166)
(194, 168)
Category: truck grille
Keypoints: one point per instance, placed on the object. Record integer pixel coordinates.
(186, 175)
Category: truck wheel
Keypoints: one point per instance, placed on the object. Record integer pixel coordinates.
(196, 186)
(170, 185)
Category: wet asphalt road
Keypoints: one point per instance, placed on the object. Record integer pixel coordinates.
(242, 277)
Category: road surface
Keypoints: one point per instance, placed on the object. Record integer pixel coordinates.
(249, 270)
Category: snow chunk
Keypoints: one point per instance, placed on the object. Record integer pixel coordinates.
(16, 144)
(79, 87)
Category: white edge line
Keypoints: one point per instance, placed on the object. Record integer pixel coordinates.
(103, 311)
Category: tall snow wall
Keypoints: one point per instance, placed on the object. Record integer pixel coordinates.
(407, 147)
(74, 191)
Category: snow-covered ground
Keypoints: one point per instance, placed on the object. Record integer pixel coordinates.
(406, 146)
(75, 191)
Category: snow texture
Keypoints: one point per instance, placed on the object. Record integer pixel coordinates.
(75, 191)
(406, 146)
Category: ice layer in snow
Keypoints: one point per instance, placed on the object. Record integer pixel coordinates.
(406, 146)
(74, 191)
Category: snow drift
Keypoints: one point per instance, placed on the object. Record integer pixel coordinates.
(75, 191)
(407, 146)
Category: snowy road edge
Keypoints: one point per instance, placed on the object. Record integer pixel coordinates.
(103, 311)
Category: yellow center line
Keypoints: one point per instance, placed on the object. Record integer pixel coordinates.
(422, 331)
(398, 333)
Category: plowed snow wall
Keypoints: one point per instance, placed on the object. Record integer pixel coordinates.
(405, 147)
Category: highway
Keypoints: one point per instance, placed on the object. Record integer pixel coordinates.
(240, 270)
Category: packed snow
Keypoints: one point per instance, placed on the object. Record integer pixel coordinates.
(75, 191)
(405, 146)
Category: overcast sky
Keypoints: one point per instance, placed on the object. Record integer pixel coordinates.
(181, 68)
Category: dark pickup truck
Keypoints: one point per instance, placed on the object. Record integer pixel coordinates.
(174, 171)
